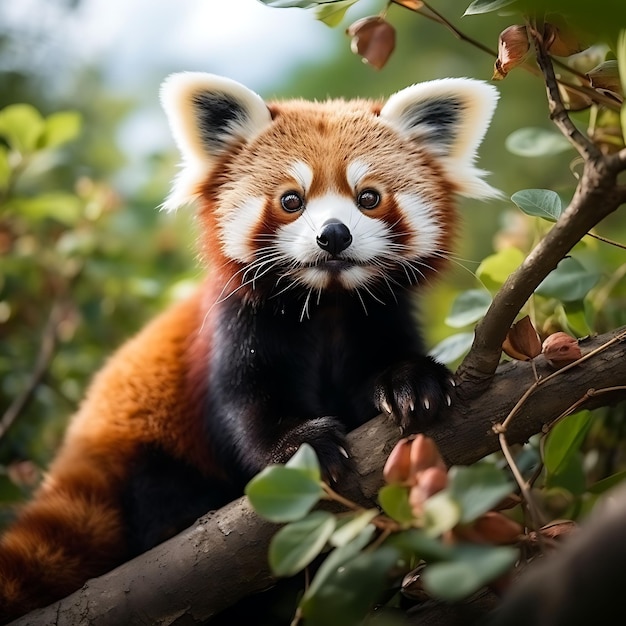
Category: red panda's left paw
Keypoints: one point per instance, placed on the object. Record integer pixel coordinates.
(327, 437)
(414, 392)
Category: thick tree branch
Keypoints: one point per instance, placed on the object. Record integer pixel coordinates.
(223, 557)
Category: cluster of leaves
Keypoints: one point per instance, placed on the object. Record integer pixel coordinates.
(370, 551)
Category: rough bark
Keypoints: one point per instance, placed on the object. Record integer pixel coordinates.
(223, 557)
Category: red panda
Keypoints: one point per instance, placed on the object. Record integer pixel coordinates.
(320, 223)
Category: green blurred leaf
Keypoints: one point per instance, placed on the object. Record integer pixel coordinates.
(472, 567)
(416, 544)
(295, 545)
(306, 460)
(337, 558)
(60, 128)
(468, 307)
(63, 207)
(496, 268)
(576, 317)
(608, 483)
(569, 282)
(394, 500)
(283, 494)
(620, 53)
(21, 125)
(542, 203)
(452, 348)
(486, 6)
(477, 488)
(350, 591)
(332, 14)
(5, 168)
(441, 513)
(565, 440)
(534, 142)
(349, 528)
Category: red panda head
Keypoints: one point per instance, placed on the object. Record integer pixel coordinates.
(338, 195)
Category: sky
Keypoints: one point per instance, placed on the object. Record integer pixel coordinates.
(131, 39)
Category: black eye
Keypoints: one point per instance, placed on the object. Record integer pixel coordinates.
(368, 199)
(291, 202)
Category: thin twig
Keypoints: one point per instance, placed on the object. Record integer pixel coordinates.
(558, 113)
(44, 357)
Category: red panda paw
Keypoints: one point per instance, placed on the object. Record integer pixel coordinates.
(415, 392)
(327, 437)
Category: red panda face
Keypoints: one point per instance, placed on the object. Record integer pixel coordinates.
(327, 196)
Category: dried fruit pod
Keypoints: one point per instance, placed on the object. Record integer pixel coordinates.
(513, 46)
(562, 41)
(522, 341)
(425, 454)
(430, 481)
(397, 469)
(560, 349)
(374, 39)
(498, 529)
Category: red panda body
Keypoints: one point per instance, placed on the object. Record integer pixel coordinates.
(320, 223)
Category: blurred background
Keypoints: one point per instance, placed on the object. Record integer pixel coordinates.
(82, 241)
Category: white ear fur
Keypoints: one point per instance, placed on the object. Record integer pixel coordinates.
(450, 117)
(207, 114)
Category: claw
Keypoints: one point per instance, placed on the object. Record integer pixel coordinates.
(448, 400)
(344, 452)
(386, 407)
(411, 406)
(426, 404)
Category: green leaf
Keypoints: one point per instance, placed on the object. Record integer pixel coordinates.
(608, 483)
(452, 348)
(486, 6)
(534, 142)
(477, 488)
(415, 544)
(283, 494)
(565, 440)
(472, 567)
(21, 125)
(294, 546)
(63, 207)
(60, 128)
(620, 52)
(306, 461)
(569, 282)
(350, 591)
(468, 307)
(349, 528)
(337, 558)
(575, 314)
(394, 500)
(332, 13)
(5, 168)
(441, 513)
(496, 268)
(542, 203)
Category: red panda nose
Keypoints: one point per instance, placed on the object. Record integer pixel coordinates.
(334, 237)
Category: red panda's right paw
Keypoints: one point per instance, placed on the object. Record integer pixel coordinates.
(414, 392)
(326, 436)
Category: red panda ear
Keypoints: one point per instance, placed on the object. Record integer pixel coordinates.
(207, 114)
(449, 117)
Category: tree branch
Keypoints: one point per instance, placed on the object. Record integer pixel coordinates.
(223, 557)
